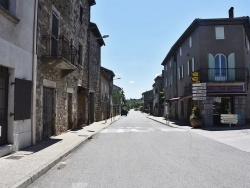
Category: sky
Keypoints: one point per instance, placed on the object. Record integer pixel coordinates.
(141, 33)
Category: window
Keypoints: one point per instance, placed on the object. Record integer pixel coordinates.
(171, 80)
(190, 42)
(219, 33)
(166, 83)
(80, 55)
(166, 68)
(81, 14)
(170, 64)
(220, 67)
(4, 4)
(181, 72)
(247, 43)
(180, 51)
(190, 66)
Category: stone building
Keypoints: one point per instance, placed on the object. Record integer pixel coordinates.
(147, 101)
(96, 42)
(158, 106)
(17, 83)
(62, 66)
(106, 93)
(214, 52)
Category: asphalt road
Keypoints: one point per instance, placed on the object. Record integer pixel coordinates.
(136, 152)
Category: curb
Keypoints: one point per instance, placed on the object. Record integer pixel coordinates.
(32, 177)
(174, 126)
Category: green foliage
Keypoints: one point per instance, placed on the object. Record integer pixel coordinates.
(195, 113)
(133, 103)
(162, 96)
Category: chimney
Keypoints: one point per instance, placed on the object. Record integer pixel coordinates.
(231, 12)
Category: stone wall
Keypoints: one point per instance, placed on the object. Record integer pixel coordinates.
(75, 31)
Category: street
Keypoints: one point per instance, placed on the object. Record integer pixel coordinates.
(138, 152)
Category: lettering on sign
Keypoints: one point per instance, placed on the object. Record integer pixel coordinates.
(199, 94)
(229, 121)
(199, 98)
(195, 74)
(195, 79)
(199, 84)
(200, 87)
(199, 91)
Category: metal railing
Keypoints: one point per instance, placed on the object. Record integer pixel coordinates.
(60, 47)
(224, 75)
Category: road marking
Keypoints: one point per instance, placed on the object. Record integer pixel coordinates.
(138, 130)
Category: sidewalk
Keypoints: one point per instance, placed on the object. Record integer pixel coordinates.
(24, 167)
(237, 137)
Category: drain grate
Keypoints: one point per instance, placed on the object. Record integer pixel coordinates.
(14, 157)
(90, 131)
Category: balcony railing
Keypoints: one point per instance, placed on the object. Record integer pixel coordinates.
(224, 75)
(60, 47)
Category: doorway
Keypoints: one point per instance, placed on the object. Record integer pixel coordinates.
(4, 80)
(221, 105)
(48, 112)
(69, 111)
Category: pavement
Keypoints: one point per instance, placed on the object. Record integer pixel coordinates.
(235, 136)
(22, 168)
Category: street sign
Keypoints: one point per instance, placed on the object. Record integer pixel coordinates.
(199, 87)
(229, 118)
(229, 121)
(199, 84)
(195, 74)
(199, 91)
(195, 77)
(199, 98)
(199, 94)
(225, 116)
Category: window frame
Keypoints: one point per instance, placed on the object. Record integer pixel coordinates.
(219, 32)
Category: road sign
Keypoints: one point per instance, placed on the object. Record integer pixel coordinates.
(199, 98)
(229, 121)
(199, 94)
(199, 91)
(199, 84)
(199, 87)
(226, 116)
(195, 74)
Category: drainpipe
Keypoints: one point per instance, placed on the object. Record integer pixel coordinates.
(34, 74)
(88, 60)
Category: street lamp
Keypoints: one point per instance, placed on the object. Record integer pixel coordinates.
(116, 78)
(103, 37)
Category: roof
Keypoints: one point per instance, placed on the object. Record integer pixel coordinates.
(94, 29)
(207, 22)
(108, 71)
(158, 77)
(92, 2)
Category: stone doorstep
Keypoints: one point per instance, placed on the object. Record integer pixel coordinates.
(6, 149)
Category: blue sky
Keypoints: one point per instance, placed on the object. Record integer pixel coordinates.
(141, 32)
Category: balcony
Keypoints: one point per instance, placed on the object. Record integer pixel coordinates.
(59, 53)
(224, 75)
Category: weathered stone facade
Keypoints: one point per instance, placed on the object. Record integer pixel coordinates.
(96, 42)
(62, 66)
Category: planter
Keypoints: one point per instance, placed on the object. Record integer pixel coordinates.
(195, 123)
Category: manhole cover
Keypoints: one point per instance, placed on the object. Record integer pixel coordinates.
(90, 131)
(14, 157)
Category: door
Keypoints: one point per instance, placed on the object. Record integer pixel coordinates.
(48, 112)
(55, 33)
(69, 111)
(4, 80)
(91, 107)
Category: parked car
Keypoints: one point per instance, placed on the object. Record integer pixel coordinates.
(124, 112)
